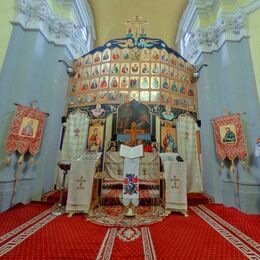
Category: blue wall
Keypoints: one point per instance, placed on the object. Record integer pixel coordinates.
(229, 83)
(31, 71)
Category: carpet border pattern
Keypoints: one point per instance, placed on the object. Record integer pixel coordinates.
(236, 242)
(24, 225)
(5, 248)
(106, 248)
(149, 251)
(239, 233)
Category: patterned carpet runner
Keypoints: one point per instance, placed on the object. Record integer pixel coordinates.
(27, 213)
(210, 232)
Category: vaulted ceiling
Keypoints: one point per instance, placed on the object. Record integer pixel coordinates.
(163, 17)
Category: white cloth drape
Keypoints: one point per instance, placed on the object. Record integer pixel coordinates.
(187, 149)
(131, 172)
(80, 185)
(75, 139)
(148, 168)
(176, 186)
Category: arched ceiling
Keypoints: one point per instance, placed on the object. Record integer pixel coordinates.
(163, 17)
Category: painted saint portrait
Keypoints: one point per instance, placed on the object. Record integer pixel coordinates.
(145, 55)
(228, 134)
(97, 57)
(124, 82)
(155, 54)
(116, 54)
(95, 137)
(144, 95)
(168, 114)
(28, 127)
(155, 96)
(88, 59)
(145, 68)
(106, 55)
(168, 139)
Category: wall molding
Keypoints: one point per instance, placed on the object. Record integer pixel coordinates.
(231, 26)
(37, 15)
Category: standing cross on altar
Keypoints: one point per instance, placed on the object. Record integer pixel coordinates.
(133, 133)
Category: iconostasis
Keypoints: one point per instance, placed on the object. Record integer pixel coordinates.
(142, 70)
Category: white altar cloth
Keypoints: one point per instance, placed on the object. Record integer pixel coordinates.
(175, 174)
(131, 157)
(148, 169)
(80, 186)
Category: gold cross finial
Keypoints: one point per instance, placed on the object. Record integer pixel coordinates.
(136, 27)
(226, 112)
(34, 104)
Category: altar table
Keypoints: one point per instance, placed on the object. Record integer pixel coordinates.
(148, 170)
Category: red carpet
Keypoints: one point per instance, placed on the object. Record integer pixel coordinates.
(10, 219)
(210, 232)
(62, 238)
(178, 237)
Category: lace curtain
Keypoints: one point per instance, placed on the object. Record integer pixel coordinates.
(187, 149)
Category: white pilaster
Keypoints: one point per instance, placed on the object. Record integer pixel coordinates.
(227, 27)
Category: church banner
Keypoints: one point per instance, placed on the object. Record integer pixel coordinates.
(229, 135)
(26, 131)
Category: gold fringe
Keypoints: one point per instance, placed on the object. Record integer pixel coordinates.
(31, 160)
(243, 163)
(222, 165)
(21, 158)
(8, 159)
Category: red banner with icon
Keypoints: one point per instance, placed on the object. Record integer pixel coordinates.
(26, 131)
(229, 136)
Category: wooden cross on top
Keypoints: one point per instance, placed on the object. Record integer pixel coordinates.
(133, 132)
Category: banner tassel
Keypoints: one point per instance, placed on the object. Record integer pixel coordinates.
(222, 165)
(31, 160)
(8, 159)
(243, 163)
(21, 158)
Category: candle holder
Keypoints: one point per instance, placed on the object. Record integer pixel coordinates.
(60, 209)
